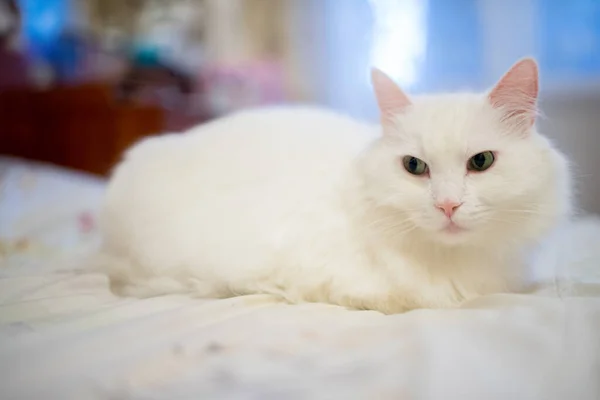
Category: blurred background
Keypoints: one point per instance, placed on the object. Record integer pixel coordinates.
(80, 80)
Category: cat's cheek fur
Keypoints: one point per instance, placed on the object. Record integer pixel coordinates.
(539, 194)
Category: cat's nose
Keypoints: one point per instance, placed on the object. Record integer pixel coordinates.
(448, 207)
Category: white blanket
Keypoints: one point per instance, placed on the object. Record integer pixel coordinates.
(65, 336)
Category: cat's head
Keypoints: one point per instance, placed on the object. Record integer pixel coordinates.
(466, 169)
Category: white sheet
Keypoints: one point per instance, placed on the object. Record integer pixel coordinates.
(65, 336)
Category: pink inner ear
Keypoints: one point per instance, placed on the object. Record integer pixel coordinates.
(516, 93)
(390, 98)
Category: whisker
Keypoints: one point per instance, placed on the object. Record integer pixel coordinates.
(521, 211)
(508, 221)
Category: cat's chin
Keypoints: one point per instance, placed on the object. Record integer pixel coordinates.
(453, 229)
(454, 235)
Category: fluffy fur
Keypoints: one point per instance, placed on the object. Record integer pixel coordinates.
(314, 206)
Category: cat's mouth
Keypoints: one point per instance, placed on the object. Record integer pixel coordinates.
(453, 229)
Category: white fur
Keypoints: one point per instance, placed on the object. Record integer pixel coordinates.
(314, 206)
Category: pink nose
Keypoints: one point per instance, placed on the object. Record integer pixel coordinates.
(448, 207)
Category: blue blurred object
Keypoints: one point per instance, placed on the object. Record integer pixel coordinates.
(42, 21)
(146, 55)
(48, 37)
(65, 54)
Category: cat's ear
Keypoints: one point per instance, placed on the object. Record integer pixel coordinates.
(390, 98)
(516, 94)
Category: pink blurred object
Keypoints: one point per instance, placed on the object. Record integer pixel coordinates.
(232, 87)
(86, 222)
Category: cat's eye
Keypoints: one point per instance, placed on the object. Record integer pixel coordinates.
(414, 165)
(481, 161)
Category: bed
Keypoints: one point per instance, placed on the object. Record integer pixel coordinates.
(64, 335)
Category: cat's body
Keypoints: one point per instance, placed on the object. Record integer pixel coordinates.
(314, 206)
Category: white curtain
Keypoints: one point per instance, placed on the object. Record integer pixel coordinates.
(337, 43)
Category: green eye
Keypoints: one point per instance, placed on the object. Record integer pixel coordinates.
(414, 165)
(481, 161)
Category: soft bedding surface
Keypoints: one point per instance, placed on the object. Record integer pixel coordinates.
(63, 335)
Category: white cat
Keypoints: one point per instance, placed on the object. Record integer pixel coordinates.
(439, 204)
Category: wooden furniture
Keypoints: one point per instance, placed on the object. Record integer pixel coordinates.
(80, 127)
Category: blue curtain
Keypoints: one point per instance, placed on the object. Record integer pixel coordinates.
(569, 38)
(347, 45)
(454, 54)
